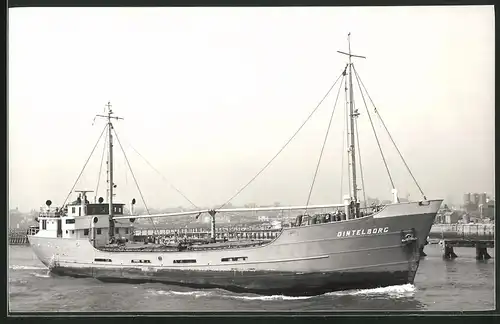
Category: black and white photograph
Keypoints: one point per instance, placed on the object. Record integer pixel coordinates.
(255, 159)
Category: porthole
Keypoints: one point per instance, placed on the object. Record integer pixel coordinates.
(160, 258)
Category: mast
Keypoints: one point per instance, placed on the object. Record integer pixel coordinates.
(110, 170)
(351, 133)
(352, 147)
(111, 232)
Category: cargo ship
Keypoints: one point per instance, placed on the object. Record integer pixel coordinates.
(348, 247)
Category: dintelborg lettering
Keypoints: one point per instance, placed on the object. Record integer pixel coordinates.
(361, 232)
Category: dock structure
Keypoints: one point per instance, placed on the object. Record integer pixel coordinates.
(480, 236)
(18, 237)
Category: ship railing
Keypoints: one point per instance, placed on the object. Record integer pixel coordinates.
(173, 232)
(335, 215)
(52, 213)
(369, 210)
(337, 210)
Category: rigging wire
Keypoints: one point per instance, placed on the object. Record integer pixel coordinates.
(374, 132)
(81, 172)
(135, 180)
(165, 179)
(393, 142)
(359, 149)
(360, 164)
(324, 144)
(286, 144)
(100, 168)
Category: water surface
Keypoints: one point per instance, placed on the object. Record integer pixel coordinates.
(461, 284)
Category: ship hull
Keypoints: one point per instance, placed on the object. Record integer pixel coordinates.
(366, 252)
(258, 282)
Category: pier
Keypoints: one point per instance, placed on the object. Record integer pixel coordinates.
(18, 237)
(480, 236)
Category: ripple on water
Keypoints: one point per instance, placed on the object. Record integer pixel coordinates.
(463, 284)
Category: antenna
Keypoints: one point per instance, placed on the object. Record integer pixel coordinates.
(351, 133)
(350, 54)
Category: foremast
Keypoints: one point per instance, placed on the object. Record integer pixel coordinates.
(111, 184)
(353, 114)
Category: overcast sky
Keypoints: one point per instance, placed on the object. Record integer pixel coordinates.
(209, 95)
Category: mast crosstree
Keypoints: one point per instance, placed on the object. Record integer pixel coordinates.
(351, 131)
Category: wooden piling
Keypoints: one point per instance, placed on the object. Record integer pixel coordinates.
(422, 253)
(482, 252)
(448, 252)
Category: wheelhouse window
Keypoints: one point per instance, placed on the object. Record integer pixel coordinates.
(140, 261)
(44, 224)
(86, 232)
(97, 209)
(70, 221)
(98, 231)
(118, 209)
(126, 231)
(117, 230)
(72, 210)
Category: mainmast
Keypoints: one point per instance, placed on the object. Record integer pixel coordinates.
(111, 232)
(352, 133)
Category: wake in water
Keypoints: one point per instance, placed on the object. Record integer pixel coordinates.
(45, 271)
(41, 275)
(21, 267)
(407, 290)
(196, 293)
(400, 291)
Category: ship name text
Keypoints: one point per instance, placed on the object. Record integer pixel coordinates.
(361, 232)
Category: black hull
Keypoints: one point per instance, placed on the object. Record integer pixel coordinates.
(262, 283)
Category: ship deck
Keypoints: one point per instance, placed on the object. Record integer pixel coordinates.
(191, 246)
